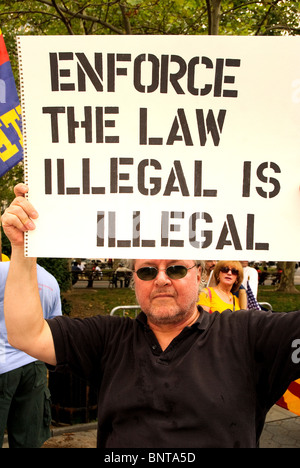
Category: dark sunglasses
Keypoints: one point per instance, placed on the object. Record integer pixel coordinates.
(234, 271)
(174, 272)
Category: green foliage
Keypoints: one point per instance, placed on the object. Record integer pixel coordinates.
(267, 17)
(59, 268)
(40, 17)
(7, 183)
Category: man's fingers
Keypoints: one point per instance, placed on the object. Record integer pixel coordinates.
(11, 221)
(18, 218)
(25, 206)
(20, 190)
(20, 200)
(19, 215)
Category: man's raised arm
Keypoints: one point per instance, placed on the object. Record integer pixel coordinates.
(26, 328)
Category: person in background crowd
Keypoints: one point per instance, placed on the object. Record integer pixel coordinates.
(76, 270)
(123, 275)
(25, 410)
(98, 272)
(228, 277)
(207, 278)
(250, 277)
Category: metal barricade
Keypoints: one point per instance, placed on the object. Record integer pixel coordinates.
(266, 306)
(126, 310)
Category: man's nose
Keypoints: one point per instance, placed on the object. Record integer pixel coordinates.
(162, 278)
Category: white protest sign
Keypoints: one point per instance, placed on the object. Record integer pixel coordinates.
(162, 146)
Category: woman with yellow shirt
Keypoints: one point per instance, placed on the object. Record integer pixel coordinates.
(228, 277)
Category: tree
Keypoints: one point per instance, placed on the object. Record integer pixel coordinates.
(150, 16)
(287, 278)
(214, 16)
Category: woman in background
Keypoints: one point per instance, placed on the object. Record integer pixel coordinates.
(228, 276)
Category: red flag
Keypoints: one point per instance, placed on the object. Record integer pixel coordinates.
(3, 52)
(11, 141)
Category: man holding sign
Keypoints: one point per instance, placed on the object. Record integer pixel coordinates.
(175, 376)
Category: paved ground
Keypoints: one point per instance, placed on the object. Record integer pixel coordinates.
(78, 436)
(282, 430)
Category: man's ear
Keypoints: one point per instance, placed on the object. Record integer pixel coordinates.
(199, 273)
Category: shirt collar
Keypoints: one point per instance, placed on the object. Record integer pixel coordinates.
(201, 323)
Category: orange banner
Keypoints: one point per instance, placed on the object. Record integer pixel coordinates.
(291, 398)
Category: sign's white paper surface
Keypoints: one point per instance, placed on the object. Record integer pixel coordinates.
(162, 146)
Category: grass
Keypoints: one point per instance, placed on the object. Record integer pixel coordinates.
(88, 302)
(281, 302)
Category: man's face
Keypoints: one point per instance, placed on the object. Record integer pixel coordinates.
(210, 265)
(165, 300)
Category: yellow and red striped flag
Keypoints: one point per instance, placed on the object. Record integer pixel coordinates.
(290, 400)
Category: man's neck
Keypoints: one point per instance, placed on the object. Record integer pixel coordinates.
(166, 332)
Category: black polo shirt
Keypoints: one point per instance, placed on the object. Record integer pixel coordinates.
(211, 387)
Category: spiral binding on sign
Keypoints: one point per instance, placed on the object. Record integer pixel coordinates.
(24, 130)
